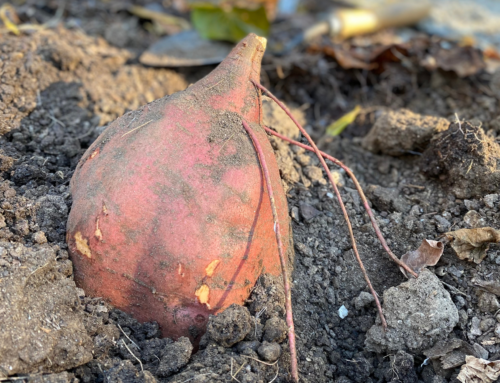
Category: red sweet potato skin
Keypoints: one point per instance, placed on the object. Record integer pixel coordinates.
(171, 220)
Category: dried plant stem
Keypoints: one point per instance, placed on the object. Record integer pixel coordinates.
(284, 271)
(361, 194)
(339, 197)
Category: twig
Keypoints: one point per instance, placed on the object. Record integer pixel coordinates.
(459, 123)
(457, 291)
(284, 271)
(234, 376)
(275, 376)
(339, 197)
(128, 337)
(131, 353)
(361, 194)
(260, 361)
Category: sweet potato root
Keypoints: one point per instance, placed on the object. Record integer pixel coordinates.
(171, 220)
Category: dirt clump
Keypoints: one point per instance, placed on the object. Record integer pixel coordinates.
(175, 356)
(397, 132)
(418, 312)
(230, 326)
(40, 312)
(465, 159)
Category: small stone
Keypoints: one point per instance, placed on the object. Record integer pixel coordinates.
(490, 200)
(275, 330)
(471, 204)
(497, 330)
(248, 345)
(474, 327)
(338, 178)
(481, 352)
(174, 356)
(295, 214)
(363, 300)
(463, 318)
(415, 210)
(474, 219)
(343, 312)
(387, 199)
(308, 212)
(488, 302)
(460, 302)
(39, 237)
(486, 324)
(270, 352)
(442, 224)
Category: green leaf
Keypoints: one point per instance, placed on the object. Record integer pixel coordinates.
(337, 127)
(233, 24)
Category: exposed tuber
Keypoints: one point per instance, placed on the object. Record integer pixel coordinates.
(171, 220)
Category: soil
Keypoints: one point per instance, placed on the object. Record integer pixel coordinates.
(58, 90)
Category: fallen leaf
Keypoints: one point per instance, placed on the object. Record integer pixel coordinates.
(338, 126)
(463, 60)
(490, 286)
(428, 254)
(5, 11)
(343, 56)
(167, 23)
(472, 244)
(228, 24)
(450, 352)
(479, 370)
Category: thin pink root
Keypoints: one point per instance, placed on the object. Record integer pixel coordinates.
(361, 194)
(286, 282)
(339, 197)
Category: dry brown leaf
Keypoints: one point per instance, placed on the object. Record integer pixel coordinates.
(472, 244)
(343, 56)
(464, 61)
(450, 352)
(428, 254)
(490, 286)
(479, 371)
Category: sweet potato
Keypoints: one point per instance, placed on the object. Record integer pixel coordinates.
(171, 220)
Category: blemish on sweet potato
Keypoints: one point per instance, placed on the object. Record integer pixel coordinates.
(202, 294)
(211, 267)
(82, 245)
(179, 271)
(94, 153)
(98, 232)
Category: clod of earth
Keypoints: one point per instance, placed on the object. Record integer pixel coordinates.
(402, 132)
(465, 159)
(419, 313)
(170, 220)
(40, 299)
